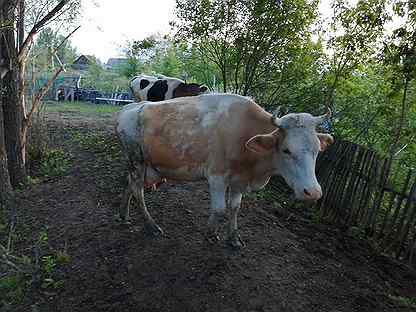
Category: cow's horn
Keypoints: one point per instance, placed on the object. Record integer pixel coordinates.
(320, 119)
(275, 117)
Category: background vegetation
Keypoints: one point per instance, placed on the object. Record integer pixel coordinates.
(360, 62)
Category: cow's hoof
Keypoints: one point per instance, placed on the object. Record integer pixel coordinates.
(152, 229)
(235, 241)
(212, 237)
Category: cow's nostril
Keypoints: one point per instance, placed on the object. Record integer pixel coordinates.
(306, 192)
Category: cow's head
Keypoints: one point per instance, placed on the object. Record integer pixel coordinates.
(294, 147)
(189, 89)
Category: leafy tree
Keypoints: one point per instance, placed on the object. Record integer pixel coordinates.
(355, 34)
(162, 55)
(131, 68)
(375, 101)
(99, 78)
(248, 41)
(399, 56)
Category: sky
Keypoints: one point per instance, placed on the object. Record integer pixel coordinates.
(107, 24)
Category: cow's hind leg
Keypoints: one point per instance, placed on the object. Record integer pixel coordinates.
(137, 186)
(234, 239)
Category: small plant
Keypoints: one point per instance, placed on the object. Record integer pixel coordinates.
(14, 278)
(50, 262)
(54, 163)
(43, 237)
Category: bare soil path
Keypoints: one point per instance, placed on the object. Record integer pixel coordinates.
(289, 264)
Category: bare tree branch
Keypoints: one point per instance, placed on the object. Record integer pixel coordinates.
(35, 29)
(41, 93)
(65, 39)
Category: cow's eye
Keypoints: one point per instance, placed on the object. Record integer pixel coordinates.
(286, 151)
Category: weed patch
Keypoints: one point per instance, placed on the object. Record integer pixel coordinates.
(54, 163)
(39, 272)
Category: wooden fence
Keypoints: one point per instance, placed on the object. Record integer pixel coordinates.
(362, 190)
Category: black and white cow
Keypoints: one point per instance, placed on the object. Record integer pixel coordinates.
(148, 88)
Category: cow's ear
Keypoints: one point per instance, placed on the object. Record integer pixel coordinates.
(203, 88)
(262, 144)
(325, 141)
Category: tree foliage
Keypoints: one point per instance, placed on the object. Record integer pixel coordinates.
(250, 42)
(163, 55)
(360, 63)
(103, 80)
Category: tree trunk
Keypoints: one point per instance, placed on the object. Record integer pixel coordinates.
(12, 110)
(21, 24)
(5, 186)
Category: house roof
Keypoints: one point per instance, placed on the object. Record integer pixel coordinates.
(116, 61)
(84, 59)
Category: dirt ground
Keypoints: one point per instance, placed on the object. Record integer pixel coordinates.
(289, 263)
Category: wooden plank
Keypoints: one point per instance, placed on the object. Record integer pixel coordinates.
(393, 196)
(363, 205)
(384, 176)
(405, 221)
(372, 191)
(348, 196)
(390, 226)
(332, 176)
(412, 250)
(348, 204)
(345, 177)
(352, 220)
(337, 185)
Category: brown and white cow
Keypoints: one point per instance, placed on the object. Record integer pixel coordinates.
(226, 139)
(148, 88)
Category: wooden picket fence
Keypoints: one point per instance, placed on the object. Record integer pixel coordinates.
(371, 194)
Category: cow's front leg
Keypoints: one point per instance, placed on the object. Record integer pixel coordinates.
(217, 189)
(234, 239)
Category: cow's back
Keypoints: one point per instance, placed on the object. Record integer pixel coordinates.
(148, 88)
(199, 134)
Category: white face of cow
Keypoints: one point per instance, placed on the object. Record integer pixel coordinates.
(294, 148)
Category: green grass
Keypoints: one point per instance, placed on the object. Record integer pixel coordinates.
(82, 108)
